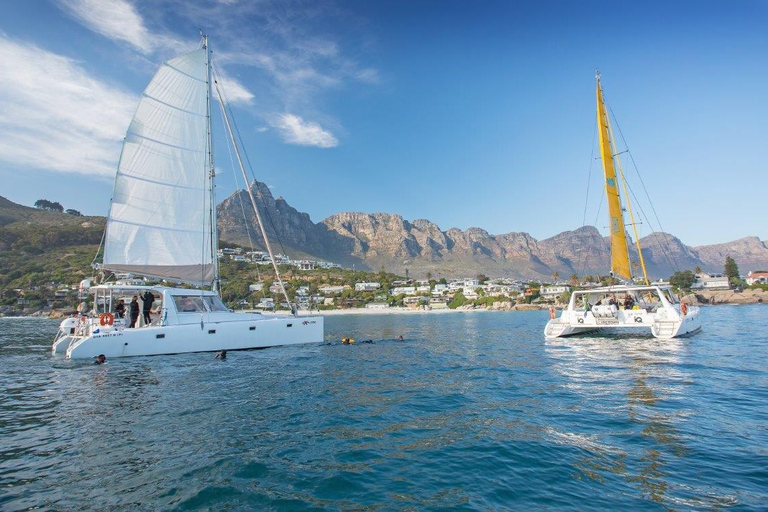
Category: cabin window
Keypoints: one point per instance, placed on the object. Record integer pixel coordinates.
(189, 304)
(214, 303)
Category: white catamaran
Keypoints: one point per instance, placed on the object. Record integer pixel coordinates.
(648, 307)
(162, 225)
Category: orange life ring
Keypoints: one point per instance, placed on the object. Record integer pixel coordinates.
(551, 312)
(106, 319)
(683, 308)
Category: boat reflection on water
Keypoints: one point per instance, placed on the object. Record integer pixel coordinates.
(628, 389)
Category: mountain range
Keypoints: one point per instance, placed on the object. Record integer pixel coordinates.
(371, 241)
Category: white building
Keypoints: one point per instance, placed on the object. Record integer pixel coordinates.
(408, 290)
(304, 264)
(439, 289)
(711, 282)
(756, 278)
(367, 287)
(331, 290)
(554, 291)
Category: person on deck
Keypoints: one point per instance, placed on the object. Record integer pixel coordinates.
(148, 299)
(120, 309)
(629, 301)
(134, 311)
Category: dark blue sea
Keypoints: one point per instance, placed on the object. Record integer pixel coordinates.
(471, 411)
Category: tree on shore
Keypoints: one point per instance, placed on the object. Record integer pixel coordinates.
(44, 204)
(731, 270)
(76, 213)
(683, 280)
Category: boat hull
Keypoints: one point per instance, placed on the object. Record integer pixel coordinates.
(228, 334)
(569, 324)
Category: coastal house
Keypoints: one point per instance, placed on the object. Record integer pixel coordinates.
(265, 303)
(256, 287)
(554, 291)
(440, 289)
(367, 287)
(757, 278)
(304, 264)
(398, 290)
(414, 302)
(711, 282)
(438, 303)
(332, 290)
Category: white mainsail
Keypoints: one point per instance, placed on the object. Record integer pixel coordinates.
(160, 219)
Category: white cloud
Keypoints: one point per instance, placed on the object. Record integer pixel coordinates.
(119, 21)
(234, 91)
(296, 130)
(54, 116)
(114, 19)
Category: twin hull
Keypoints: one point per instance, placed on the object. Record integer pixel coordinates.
(664, 324)
(203, 336)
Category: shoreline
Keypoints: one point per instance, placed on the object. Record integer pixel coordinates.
(705, 298)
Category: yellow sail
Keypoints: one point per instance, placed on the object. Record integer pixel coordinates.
(620, 265)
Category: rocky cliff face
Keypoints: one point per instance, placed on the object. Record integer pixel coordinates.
(750, 253)
(372, 241)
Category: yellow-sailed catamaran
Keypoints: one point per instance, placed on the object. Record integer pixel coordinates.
(629, 305)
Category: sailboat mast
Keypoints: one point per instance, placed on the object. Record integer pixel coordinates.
(211, 173)
(620, 265)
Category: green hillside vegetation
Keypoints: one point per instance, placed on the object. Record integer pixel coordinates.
(45, 249)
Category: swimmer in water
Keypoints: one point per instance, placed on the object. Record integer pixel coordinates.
(100, 359)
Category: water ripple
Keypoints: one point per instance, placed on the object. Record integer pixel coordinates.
(470, 412)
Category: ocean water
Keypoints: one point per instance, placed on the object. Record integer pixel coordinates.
(471, 411)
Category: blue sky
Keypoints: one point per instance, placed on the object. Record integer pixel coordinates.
(469, 114)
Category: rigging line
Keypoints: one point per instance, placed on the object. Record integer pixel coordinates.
(253, 175)
(583, 264)
(671, 260)
(674, 264)
(258, 187)
(240, 198)
(250, 195)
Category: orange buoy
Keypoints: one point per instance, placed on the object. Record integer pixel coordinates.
(106, 319)
(683, 308)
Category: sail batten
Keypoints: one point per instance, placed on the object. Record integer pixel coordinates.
(163, 185)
